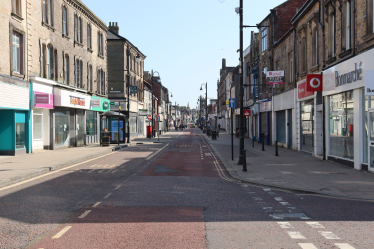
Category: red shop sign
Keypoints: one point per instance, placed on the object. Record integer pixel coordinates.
(302, 91)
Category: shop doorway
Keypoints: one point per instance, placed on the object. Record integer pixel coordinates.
(80, 127)
(289, 125)
(371, 142)
(307, 126)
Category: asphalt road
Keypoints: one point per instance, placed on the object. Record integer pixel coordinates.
(174, 194)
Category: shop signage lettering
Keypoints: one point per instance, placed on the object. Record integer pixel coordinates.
(41, 98)
(77, 101)
(369, 83)
(96, 103)
(302, 91)
(350, 77)
(274, 77)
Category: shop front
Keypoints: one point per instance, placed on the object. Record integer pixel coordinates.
(68, 118)
(98, 106)
(42, 103)
(283, 109)
(15, 120)
(255, 121)
(349, 111)
(265, 121)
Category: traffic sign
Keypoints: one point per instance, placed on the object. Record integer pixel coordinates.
(149, 117)
(227, 102)
(232, 103)
(158, 118)
(112, 103)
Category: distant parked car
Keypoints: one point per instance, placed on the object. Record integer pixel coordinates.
(192, 125)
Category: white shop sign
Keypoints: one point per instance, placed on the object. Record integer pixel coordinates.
(71, 99)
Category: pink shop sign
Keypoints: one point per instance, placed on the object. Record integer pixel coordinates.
(43, 100)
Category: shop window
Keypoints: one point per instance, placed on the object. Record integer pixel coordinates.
(331, 35)
(62, 131)
(100, 43)
(78, 73)
(89, 78)
(37, 124)
(341, 125)
(48, 12)
(77, 29)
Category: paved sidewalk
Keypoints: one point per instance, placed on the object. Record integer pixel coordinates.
(17, 168)
(293, 170)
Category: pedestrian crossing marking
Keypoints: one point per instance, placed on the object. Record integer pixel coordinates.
(328, 235)
(307, 246)
(315, 224)
(344, 246)
(295, 235)
(285, 225)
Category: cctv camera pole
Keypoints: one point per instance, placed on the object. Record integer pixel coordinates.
(241, 92)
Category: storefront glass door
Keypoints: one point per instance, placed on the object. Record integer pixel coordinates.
(371, 142)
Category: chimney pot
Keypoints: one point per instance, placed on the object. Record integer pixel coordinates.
(113, 26)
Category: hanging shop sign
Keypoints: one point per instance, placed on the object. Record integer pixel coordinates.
(275, 77)
(143, 112)
(265, 106)
(246, 113)
(133, 89)
(314, 82)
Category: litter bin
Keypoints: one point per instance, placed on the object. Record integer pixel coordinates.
(105, 139)
(214, 135)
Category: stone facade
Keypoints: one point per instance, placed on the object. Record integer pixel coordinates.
(44, 34)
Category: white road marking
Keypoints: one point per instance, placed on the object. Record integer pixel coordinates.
(114, 171)
(267, 189)
(296, 235)
(315, 224)
(101, 171)
(285, 225)
(307, 246)
(96, 204)
(91, 171)
(148, 158)
(208, 154)
(107, 195)
(267, 208)
(344, 246)
(118, 187)
(59, 234)
(278, 198)
(284, 203)
(93, 165)
(274, 216)
(257, 198)
(328, 235)
(84, 214)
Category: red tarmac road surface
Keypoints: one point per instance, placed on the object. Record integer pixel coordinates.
(131, 227)
(187, 156)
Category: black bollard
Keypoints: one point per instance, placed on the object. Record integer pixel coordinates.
(276, 148)
(244, 160)
(253, 142)
(263, 142)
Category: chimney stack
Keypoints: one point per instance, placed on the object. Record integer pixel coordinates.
(223, 64)
(113, 26)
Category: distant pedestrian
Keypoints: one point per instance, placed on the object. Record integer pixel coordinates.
(219, 126)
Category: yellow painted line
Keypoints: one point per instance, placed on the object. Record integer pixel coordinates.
(91, 171)
(156, 152)
(50, 173)
(93, 166)
(118, 187)
(96, 204)
(107, 195)
(101, 171)
(59, 234)
(114, 171)
(84, 214)
(106, 166)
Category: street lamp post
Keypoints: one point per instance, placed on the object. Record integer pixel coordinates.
(206, 100)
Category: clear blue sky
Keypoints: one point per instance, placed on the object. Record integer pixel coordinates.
(184, 40)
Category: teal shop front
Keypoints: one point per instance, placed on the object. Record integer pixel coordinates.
(15, 125)
(98, 106)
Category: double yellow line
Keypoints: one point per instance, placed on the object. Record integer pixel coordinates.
(221, 173)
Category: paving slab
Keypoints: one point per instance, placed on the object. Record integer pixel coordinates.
(293, 170)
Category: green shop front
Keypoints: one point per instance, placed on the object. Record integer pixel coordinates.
(98, 106)
(15, 125)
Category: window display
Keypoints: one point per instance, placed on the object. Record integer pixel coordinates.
(20, 136)
(62, 131)
(341, 125)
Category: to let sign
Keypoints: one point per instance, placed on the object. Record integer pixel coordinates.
(274, 77)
